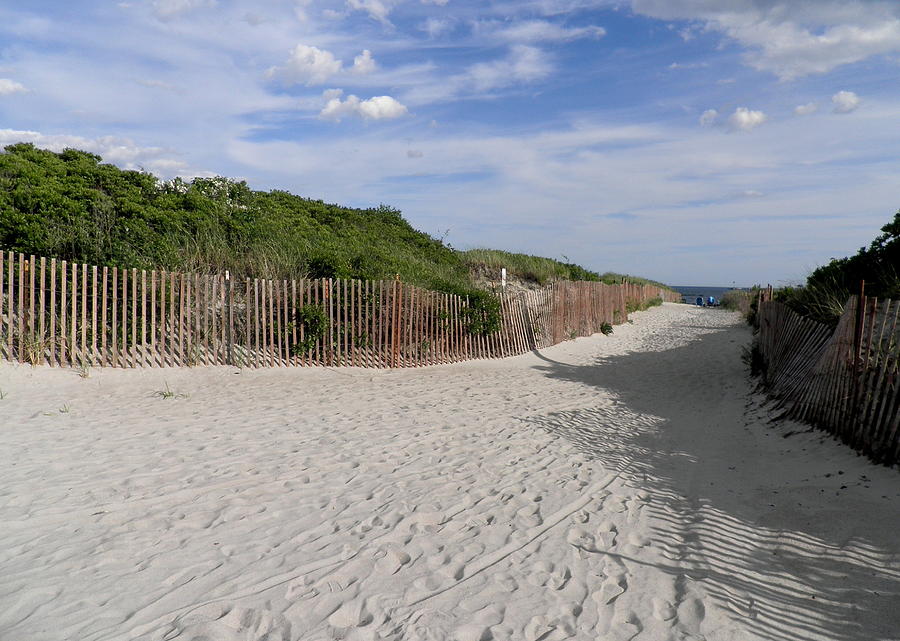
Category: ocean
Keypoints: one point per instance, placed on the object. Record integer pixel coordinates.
(690, 293)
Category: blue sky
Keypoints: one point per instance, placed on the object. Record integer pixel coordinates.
(691, 141)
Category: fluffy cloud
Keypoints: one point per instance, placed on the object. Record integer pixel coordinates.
(8, 87)
(523, 64)
(793, 38)
(376, 108)
(435, 27)
(746, 119)
(543, 31)
(166, 9)
(363, 63)
(805, 110)
(709, 117)
(313, 66)
(376, 9)
(844, 102)
(307, 65)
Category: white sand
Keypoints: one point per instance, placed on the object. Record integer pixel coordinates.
(608, 488)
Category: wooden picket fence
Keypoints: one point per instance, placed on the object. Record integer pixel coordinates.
(844, 380)
(66, 314)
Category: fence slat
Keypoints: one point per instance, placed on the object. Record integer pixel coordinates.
(73, 319)
(104, 299)
(145, 356)
(54, 356)
(115, 316)
(85, 359)
(21, 308)
(42, 329)
(95, 356)
(36, 346)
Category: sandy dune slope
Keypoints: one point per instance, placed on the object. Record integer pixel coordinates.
(621, 487)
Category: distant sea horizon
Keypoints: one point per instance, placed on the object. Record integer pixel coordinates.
(691, 292)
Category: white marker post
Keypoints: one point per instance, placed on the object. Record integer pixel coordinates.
(503, 278)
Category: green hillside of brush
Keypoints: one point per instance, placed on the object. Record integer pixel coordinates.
(72, 206)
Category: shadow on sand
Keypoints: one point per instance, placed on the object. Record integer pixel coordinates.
(730, 507)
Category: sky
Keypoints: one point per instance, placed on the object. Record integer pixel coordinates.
(707, 142)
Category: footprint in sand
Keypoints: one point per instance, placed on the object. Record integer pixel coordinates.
(663, 610)
(300, 589)
(540, 573)
(390, 559)
(472, 632)
(581, 516)
(352, 614)
(611, 589)
(225, 623)
(625, 629)
(530, 515)
(606, 535)
(582, 539)
(559, 577)
(691, 612)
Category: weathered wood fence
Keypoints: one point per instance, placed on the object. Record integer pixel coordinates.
(67, 314)
(843, 380)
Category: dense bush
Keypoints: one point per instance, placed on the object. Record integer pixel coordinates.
(70, 205)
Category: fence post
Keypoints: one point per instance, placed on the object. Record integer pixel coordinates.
(229, 326)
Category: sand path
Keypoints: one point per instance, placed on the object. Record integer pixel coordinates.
(621, 487)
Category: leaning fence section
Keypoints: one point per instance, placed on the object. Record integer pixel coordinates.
(845, 380)
(69, 314)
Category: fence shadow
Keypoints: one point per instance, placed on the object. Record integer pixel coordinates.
(783, 566)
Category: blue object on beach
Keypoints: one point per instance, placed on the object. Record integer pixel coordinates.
(712, 301)
(700, 301)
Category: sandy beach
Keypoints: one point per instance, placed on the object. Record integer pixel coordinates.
(616, 487)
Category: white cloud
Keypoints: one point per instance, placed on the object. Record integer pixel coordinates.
(165, 9)
(9, 87)
(805, 110)
(709, 117)
(523, 64)
(313, 66)
(746, 119)
(414, 153)
(376, 108)
(845, 102)
(688, 65)
(435, 27)
(307, 65)
(300, 8)
(376, 9)
(793, 38)
(543, 31)
(363, 63)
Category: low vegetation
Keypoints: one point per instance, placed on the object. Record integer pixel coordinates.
(738, 300)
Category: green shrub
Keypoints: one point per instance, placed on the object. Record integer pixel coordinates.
(313, 321)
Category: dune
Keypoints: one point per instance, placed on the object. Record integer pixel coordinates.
(616, 487)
